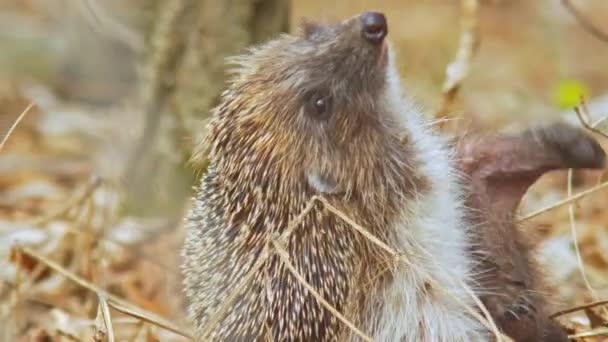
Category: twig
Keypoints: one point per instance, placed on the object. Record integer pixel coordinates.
(140, 330)
(582, 112)
(114, 301)
(278, 250)
(593, 333)
(18, 277)
(488, 322)
(103, 316)
(103, 304)
(459, 68)
(141, 255)
(219, 314)
(599, 121)
(579, 308)
(566, 201)
(167, 50)
(361, 230)
(67, 334)
(284, 256)
(15, 124)
(75, 201)
(486, 319)
(584, 22)
(579, 258)
(298, 219)
(108, 26)
(268, 335)
(121, 305)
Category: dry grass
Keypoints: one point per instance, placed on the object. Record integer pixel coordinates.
(75, 267)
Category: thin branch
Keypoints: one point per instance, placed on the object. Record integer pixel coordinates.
(579, 258)
(67, 334)
(488, 322)
(599, 121)
(103, 316)
(579, 308)
(284, 256)
(104, 24)
(167, 50)
(14, 125)
(221, 312)
(593, 333)
(103, 304)
(114, 301)
(361, 230)
(146, 316)
(216, 318)
(278, 250)
(582, 112)
(566, 201)
(584, 22)
(459, 68)
(75, 201)
(140, 254)
(298, 219)
(140, 330)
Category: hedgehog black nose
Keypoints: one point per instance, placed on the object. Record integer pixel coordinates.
(373, 26)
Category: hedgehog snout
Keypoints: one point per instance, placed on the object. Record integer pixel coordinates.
(374, 26)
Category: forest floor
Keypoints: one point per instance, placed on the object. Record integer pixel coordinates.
(71, 252)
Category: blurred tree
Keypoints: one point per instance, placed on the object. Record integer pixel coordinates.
(187, 43)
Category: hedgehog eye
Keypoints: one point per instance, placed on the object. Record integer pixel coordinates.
(319, 105)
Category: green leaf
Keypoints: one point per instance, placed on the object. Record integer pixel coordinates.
(568, 93)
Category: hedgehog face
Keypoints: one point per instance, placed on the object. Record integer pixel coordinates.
(340, 73)
(315, 100)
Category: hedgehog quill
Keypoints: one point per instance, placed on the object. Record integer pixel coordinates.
(322, 113)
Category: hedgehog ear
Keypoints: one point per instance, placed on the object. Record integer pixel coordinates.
(309, 28)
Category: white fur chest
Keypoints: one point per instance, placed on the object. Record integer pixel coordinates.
(427, 294)
(426, 297)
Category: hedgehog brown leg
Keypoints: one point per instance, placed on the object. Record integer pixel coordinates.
(502, 168)
(499, 171)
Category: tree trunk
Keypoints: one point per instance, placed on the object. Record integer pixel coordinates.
(183, 76)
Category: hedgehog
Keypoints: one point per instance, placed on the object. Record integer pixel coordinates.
(330, 209)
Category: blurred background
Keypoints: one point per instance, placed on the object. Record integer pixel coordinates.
(96, 175)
